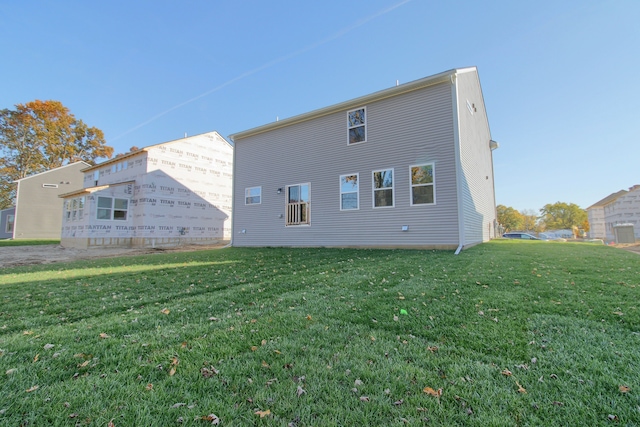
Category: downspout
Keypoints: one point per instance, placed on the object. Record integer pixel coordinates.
(233, 194)
(458, 163)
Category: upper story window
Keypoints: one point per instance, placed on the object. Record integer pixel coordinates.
(383, 188)
(357, 125)
(422, 185)
(112, 208)
(50, 185)
(253, 196)
(349, 193)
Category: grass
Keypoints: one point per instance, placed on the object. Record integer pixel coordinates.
(28, 242)
(505, 334)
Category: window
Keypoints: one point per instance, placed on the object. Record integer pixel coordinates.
(383, 188)
(8, 228)
(253, 196)
(357, 125)
(349, 192)
(298, 205)
(112, 208)
(422, 185)
(50, 185)
(74, 209)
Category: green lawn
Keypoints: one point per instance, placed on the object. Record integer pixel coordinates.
(505, 334)
(29, 242)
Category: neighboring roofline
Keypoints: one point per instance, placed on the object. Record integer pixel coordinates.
(356, 102)
(610, 198)
(146, 149)
(51, 170)
(90, 190)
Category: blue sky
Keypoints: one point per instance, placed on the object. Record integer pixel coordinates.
(558, 77)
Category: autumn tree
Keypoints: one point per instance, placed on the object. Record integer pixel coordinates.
(43, 135)
(561, 216)
(509, 218)
(530, 220)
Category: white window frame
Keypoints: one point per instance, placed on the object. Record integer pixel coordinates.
(374, 189)
(294, 211)
(112, 209)
(49, 185)
(431, 184)
(356, 191)
(350, 126)
(248, 195)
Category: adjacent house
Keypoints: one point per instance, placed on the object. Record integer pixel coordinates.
(596, 216)
(623, 213)
(410, 166)
(7, 219)
(169, 194)
(38, 209)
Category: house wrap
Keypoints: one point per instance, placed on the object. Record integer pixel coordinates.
(169, 194)
(409, 166)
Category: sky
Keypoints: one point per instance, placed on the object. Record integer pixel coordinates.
(559, 78)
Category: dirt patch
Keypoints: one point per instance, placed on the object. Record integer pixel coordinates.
(631, 248)
(11, 256)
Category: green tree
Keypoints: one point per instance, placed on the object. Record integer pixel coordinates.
(530, 220)
(509, 218)
(563, 216)
(43, 135)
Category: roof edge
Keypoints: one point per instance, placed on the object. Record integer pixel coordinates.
(379, 95)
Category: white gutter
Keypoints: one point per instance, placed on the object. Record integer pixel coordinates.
(458, 162)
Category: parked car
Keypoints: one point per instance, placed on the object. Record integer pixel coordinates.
(517, 235)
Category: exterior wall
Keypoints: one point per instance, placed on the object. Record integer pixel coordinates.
(39, 208)
(7, 216)
(409, 129)
(476, 186)
(179, 193)
(597, 229)
(624, 210)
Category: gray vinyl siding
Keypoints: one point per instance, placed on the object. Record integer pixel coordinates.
(4, 218)
(404, 130)
(478, 199)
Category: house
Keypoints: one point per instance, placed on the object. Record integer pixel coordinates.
(169, 194)
(623, 210)
(410, 166)
(7, 219)
(595, 214)
(38, 208)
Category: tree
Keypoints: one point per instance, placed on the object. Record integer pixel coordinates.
(530, 220)
(509, 218)
(563, 216)
(43, 135)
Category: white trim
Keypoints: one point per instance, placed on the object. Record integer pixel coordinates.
(433, 184)
(286, 205)
(364, 124)
(246, 195)
(357, 191)
(112, 209)
(458, 163)
(393, 188)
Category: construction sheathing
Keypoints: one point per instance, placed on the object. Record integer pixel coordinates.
(178, 192)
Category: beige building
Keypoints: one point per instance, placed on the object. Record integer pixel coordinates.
(38, 209)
